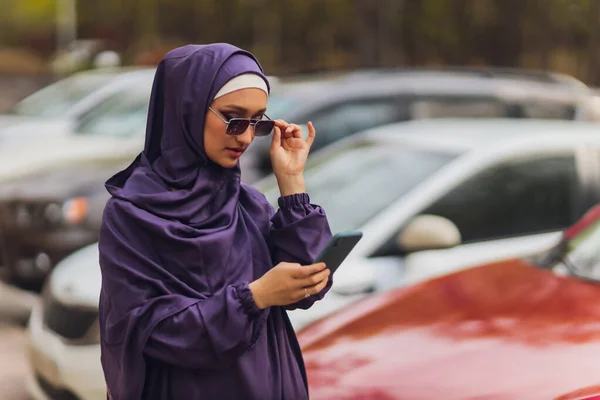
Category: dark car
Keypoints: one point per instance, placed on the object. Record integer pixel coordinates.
(45, 217)
(354, 102)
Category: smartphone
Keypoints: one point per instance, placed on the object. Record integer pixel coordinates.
(338, 249)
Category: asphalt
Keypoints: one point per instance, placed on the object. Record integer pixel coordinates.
(13, 362)
(14, 309)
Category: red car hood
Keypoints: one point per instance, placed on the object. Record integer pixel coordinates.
(507, 330)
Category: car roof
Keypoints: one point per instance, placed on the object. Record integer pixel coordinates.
(482, 72)
(498, 83)
(110, 70)
(136, 73)
(461, 135)
(126, 79)
(487, 73)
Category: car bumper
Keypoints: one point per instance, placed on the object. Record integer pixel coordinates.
(60, 370)
(31, 255)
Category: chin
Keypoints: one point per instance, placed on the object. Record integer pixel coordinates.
(228, 163)
(223, 161)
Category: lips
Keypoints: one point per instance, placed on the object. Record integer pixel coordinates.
(236, 151)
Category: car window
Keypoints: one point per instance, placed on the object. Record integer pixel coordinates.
(356, 184)
(58, 98)
(471, 107)
(516, 198)
(122, 114)
(548, 110)
(456, 107)
(341, 120)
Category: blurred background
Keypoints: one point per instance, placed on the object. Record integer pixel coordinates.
(492, 104)
(42, 38)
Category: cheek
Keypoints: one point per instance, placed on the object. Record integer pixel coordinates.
(213, 135)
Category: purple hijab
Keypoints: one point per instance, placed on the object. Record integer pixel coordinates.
(181, 240)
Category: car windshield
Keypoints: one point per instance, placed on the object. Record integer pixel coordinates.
(122, 114)
(59, 97)
(357, 182)
(286, 96)
(582, 257)
(279, 105)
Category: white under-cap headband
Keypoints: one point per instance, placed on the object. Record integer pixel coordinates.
(244, 81)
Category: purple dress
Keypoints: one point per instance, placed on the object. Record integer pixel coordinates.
(181, 240)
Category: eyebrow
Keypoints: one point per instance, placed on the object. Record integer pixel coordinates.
(233, 107)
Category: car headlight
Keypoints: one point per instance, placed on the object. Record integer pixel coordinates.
(75, 210)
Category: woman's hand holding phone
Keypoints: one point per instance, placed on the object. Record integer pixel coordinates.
(287, 283)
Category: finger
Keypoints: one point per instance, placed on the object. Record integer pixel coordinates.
(311, 134)
(281, 123)
(297, 132)
(298, 295)
(314, 279)
(318, 287)
(276, 139)
(294, 130)
(285, 134)
(304, 271)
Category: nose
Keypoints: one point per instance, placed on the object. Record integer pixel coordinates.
(247, 137)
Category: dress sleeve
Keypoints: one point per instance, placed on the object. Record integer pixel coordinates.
(141, 314)
(299, 231)
(211, 333)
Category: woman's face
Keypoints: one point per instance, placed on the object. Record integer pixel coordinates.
(220, 147)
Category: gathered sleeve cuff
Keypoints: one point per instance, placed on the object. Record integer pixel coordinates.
(299, 231)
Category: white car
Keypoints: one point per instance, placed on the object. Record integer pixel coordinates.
(430, 196)
(58, 105)
(114, 128)
(63, 334)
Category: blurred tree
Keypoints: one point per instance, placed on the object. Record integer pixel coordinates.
(146, 24)
(593, 72)
(33, 12)
(302, 35)
(27, 19)
(461, 16)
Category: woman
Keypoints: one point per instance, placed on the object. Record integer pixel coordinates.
(197, 268)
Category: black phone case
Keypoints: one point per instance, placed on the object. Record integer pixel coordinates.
(338, 249)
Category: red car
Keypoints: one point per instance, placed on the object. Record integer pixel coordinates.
(517, 329)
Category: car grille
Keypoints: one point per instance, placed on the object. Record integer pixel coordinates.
(70, 322)
(23, 214)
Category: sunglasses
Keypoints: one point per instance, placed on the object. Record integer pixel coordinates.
(237, 126)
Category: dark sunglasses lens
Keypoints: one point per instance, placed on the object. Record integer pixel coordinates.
(264, 128)
(237, 126)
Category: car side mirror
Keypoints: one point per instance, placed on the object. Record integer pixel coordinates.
(428, 232)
